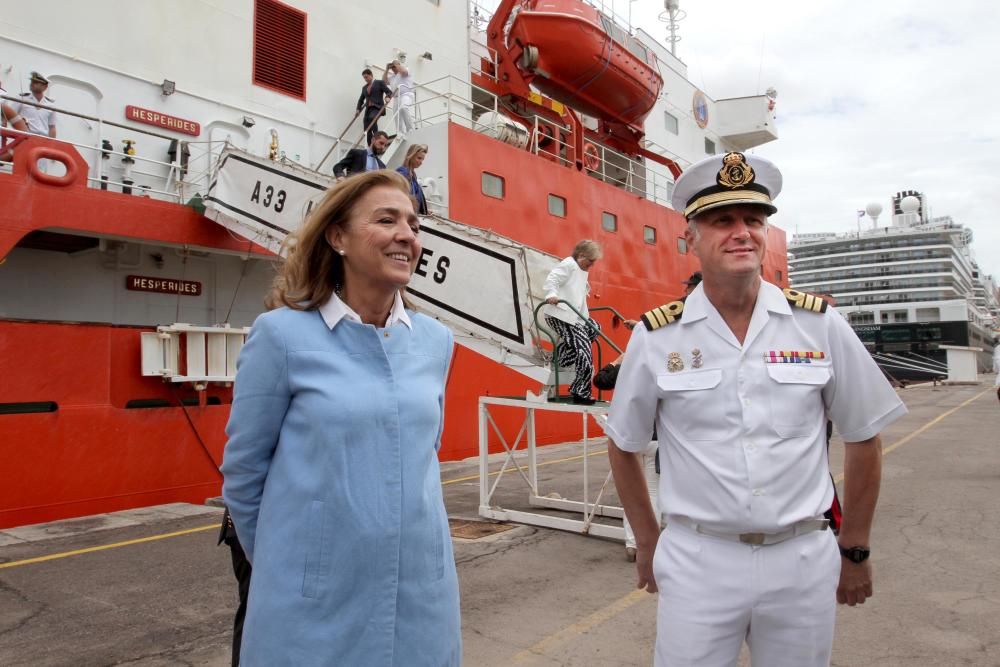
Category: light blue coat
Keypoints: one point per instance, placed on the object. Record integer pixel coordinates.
(332, 480)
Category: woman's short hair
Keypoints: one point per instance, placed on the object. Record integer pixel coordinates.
(312, 270)
(411, 154)
(587, 249)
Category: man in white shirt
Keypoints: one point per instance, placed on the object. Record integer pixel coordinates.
(398, 78)
(738, 379)
(39, 119)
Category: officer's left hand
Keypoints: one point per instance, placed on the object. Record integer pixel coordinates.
(855, 582)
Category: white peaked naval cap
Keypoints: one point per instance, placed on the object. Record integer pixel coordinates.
(724, 180)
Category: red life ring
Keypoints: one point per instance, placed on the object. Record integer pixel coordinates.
(47, 152)
(591, 157)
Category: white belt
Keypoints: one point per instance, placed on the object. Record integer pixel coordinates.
(756, 539)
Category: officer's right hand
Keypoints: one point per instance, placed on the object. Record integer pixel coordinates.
(644, 567)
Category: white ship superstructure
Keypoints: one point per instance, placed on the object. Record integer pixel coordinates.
(918, 269)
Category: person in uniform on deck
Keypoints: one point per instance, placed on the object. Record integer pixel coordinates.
(39, 119)
(398, 78)
(738, 379)
(331, 469)
(568, 283)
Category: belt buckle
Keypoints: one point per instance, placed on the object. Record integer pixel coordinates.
(755, 539)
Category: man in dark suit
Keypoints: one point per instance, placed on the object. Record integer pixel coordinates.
(375, 95)
(358, 160)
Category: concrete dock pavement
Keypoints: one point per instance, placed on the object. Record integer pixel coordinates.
(153, 589)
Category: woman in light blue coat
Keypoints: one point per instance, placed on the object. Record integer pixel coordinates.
(331, 471)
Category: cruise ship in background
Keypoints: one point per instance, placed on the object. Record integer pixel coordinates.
(907, 287)
(547, 121)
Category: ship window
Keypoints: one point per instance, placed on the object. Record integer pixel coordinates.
(279, 48)
(649, 234)
(557, 205)
(682, 245)
(493, 185)
(670, 121)
(709, 146)
(777, 275)
(609, 221)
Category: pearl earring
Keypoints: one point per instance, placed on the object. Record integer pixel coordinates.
(342, 253)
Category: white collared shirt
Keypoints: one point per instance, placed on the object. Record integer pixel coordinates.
(742, 436)
(39, 119)
(570, 283)
(335, 309)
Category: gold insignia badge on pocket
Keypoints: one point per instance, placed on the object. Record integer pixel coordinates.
(674, 362)
(696, 359)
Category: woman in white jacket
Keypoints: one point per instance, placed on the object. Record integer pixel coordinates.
(568, 284)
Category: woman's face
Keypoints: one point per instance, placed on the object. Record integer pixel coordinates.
(380, 241)
(418, 159)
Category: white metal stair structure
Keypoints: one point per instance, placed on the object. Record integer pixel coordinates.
(210, 353)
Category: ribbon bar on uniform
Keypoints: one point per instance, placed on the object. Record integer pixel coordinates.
(793, 356)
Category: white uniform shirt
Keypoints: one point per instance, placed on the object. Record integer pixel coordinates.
(401, 85)
(39, 119)
(742, 440)
(335, 309)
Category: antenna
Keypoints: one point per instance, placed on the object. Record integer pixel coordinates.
(672, 15)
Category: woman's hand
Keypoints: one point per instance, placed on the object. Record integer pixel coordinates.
(553, 300)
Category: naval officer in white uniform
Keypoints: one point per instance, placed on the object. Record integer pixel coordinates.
(739, 378)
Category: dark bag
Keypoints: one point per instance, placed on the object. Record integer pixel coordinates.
(606, 377)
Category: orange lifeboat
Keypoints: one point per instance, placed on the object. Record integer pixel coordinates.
(577, 55)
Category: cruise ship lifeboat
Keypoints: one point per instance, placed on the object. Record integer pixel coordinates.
(577, 55)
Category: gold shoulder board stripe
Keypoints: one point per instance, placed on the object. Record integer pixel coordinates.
(663, 315)
(806, 301)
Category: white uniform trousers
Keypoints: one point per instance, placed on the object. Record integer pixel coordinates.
(652, 483)
(715, 594)
(404, 113)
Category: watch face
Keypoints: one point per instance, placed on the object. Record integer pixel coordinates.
(856, 554)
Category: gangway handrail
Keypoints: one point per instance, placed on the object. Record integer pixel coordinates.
(552, 338)
(336, 142)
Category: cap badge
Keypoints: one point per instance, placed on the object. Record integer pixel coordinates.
(735, 172)
(674, 362)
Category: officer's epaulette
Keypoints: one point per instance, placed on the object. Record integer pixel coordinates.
(806, 301)
(663, 315)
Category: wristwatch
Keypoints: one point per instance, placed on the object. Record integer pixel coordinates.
(855, 554)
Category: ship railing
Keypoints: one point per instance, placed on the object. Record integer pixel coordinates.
(448, 99)
(553, 389)
(135, 173)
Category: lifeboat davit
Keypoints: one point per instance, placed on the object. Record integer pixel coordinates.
(579, 56)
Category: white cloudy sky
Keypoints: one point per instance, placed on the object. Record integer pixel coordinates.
(874, 97)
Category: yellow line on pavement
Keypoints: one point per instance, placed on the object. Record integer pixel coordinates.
(163, 536)
(601, 452)
(77, 552)
(571, 631)
(910, 436)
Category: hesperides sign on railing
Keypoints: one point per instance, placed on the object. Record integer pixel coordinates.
(262, 200)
